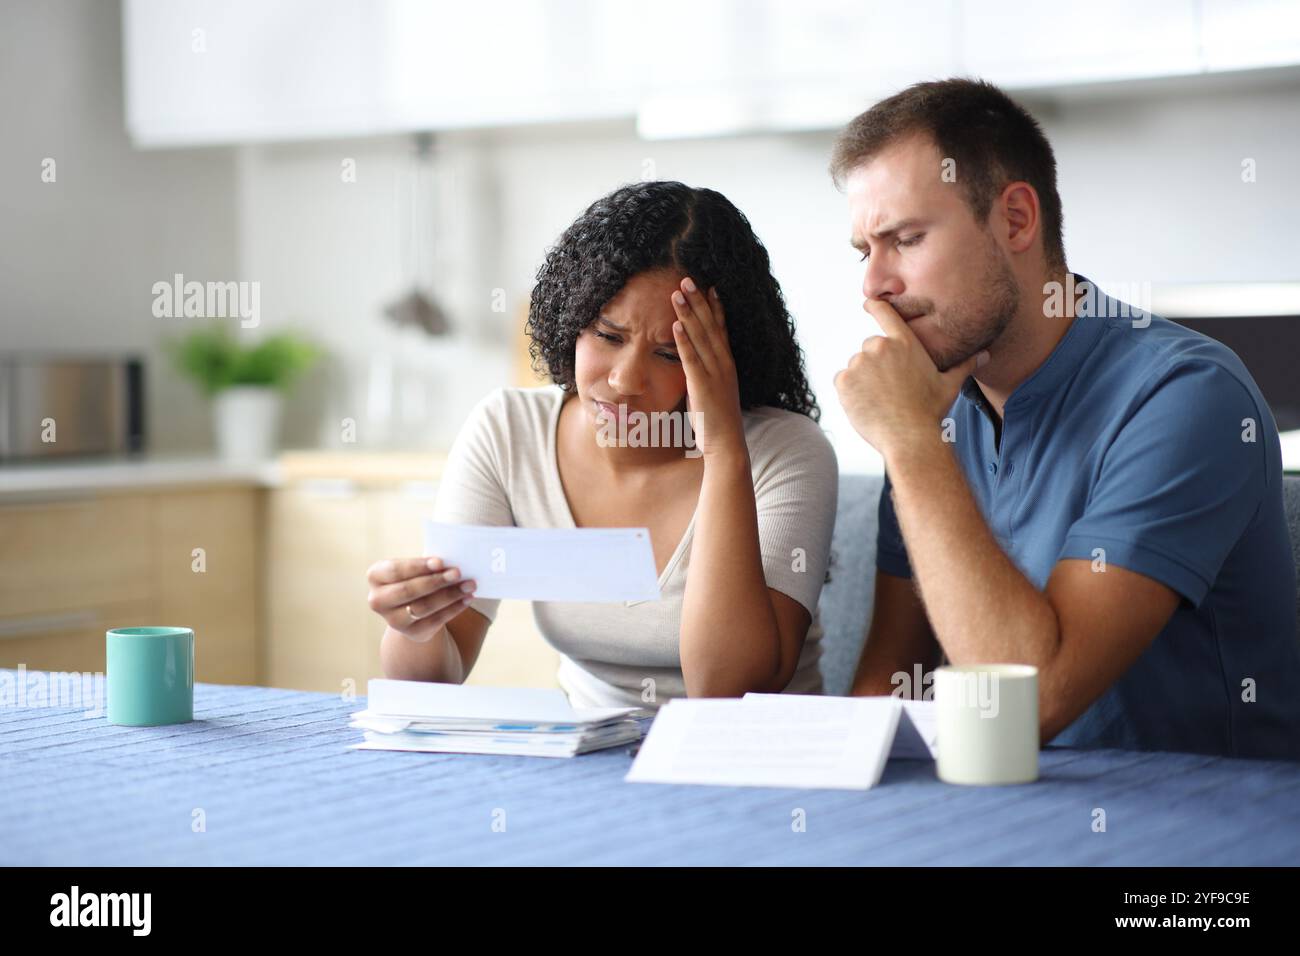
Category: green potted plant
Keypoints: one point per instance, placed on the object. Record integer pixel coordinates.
(246, 383)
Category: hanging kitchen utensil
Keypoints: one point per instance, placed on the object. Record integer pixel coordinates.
(418, 307)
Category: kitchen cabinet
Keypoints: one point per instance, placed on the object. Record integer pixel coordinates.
(225, 71)
(74, 564)
(788, 66)
(268, 569)
(330, 519)
(1030, 45)
(232, 71)
(221, 601)
(72, 640)
(319, 628)
(1250, 34)
(208, 71)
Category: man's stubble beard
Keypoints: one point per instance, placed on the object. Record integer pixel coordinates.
(973, 328)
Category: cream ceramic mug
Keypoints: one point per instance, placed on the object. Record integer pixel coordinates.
(988, 723)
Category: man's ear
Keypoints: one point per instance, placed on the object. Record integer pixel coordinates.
(1022, 214)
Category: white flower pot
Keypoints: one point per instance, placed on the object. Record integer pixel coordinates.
(246, 419)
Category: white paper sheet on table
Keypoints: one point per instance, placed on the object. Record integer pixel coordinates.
(549, 564)
(799, 741)
(917, 737)
(921, 742)
(460, 703)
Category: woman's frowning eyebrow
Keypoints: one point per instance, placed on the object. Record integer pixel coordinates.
(609, 323)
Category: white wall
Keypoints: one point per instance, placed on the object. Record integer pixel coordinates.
(331, 252)
(1152, 187)
(79, 256)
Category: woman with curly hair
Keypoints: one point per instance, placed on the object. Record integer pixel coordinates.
(658, 301)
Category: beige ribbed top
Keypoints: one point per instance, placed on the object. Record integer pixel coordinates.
(502, 470)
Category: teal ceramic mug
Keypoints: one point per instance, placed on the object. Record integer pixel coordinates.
(150, 676)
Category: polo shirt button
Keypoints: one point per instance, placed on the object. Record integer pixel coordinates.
(993, 468)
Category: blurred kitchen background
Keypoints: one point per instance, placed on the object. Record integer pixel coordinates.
(389, 173)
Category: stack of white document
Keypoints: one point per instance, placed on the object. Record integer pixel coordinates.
(783, 740)
(452, 718)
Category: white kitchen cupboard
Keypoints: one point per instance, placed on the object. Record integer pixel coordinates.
(209, 71)
(225, 71)
(1250, 34)
(1031, 45)
(228, 71)
(773, 64)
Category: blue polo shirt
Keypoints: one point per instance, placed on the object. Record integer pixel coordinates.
(1143, 444)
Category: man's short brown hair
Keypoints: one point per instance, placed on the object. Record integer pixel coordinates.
(992, 140)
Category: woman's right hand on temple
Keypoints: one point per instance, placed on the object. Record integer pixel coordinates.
(417, 596)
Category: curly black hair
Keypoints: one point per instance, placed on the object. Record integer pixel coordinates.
(668, 225)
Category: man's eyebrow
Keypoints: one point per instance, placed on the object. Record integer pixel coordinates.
(886, 232)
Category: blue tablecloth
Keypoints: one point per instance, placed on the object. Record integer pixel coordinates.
(265, 776)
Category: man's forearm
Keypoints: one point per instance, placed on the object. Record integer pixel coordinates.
(875, 676)
(892, 671)
(730, 642)
(982, 608)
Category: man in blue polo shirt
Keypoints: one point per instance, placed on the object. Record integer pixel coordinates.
(1071, 482)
